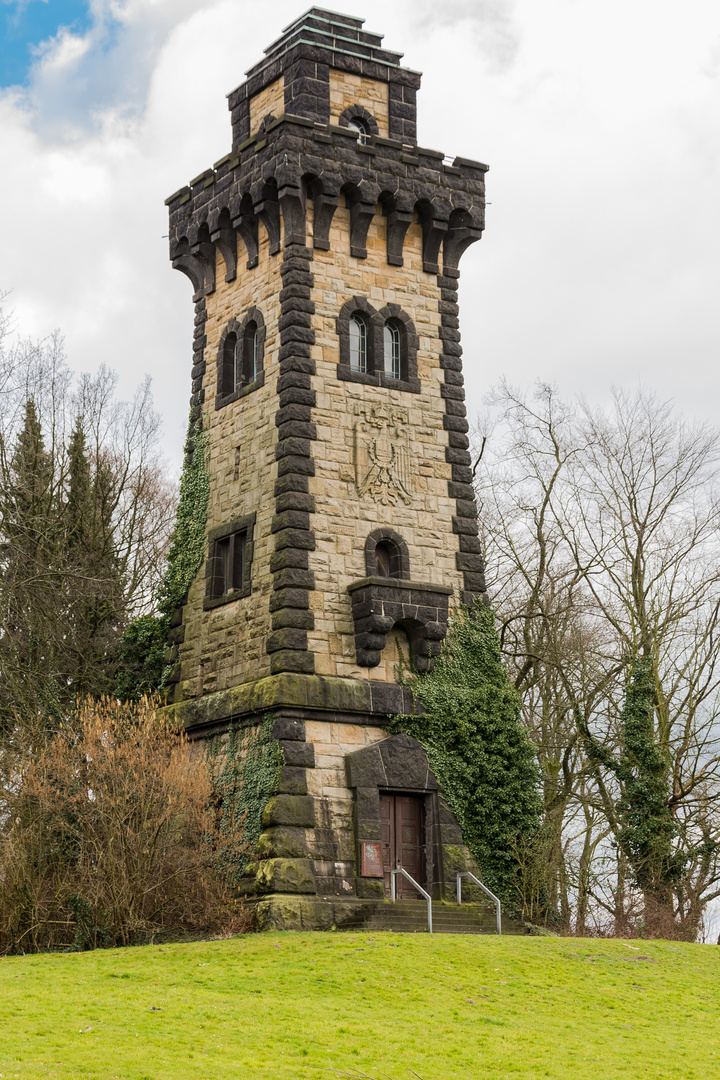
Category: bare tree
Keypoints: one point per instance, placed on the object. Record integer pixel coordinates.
(601, 534)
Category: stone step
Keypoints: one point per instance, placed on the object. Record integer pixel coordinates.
(410, 916)
(298, 912)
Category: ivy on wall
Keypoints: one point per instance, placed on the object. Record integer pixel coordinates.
(477, 746)
(246, 770)
(187, 546)
(141, 650)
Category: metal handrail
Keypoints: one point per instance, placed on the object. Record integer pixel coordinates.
(399, 870)
(485, 890)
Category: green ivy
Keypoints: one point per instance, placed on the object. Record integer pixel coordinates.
(187, 545)
(140, 652)
(246, 772)
(477, 746)
(140, 657)
(646, 826)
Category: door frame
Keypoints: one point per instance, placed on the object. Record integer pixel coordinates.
(404, 887)
(399, 765)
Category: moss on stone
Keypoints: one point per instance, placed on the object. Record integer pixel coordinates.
(298, 810)
(263, 695)
(282, 841)
(285, 876)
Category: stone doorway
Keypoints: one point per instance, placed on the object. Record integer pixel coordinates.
(401, 832)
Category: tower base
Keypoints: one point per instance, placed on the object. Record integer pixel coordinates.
(352, 802)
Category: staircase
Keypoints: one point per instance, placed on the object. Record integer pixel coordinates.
(410, 917)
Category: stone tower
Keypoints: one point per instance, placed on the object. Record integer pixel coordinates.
(323, 251)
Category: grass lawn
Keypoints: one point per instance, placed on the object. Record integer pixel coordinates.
(296, 1006)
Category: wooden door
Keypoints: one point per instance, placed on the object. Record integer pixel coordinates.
(402, 841)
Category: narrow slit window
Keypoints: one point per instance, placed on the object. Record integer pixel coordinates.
(358, 344)
(250, 353)
(391, 347)
(229, 364)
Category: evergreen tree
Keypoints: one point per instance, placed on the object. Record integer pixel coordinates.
(32, 542)
(63, 598)
(95, 589)
(477, 746)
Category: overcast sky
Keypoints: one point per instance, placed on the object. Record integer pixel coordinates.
(600, 122)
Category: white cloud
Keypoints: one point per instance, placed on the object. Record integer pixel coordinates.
(599, 122)
(491, 24)
(59, 53)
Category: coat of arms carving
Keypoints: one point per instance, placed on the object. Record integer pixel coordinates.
(382, 454)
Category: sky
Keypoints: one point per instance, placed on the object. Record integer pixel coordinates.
(600, 123)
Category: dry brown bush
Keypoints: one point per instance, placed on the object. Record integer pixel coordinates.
(110, 835)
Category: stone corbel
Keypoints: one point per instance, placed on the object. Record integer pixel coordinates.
(464, 229)
(433, 233)
(267, 208)
(325, 203)
(224, 237)
(419, 608)
(361, 214)
(292, 206)
(456, 243)
(246, 224)
(397, 224)
(194, 269)
(362, 201)
(324, 207)
(195, 265)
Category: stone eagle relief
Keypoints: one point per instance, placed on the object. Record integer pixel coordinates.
(382, 454)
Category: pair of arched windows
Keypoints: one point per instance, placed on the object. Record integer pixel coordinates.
(377, 347)
(392, 346)
(240, 357)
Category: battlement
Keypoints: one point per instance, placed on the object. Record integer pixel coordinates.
(271, 176)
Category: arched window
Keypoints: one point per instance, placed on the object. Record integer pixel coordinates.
(391, 350)
(229, 365)
(378, 348)
(383, 559)
(386, 554)
(358, 344)
(250, 365)
(357, 124)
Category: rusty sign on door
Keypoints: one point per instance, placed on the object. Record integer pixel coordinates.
(372, 864)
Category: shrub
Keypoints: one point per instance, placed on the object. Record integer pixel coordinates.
(110, 836)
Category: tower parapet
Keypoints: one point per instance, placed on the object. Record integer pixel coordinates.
(323, 251)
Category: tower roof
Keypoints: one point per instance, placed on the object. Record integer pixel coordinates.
(327, 29)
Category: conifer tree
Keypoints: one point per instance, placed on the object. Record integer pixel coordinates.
(29, 574)
(95, 595)
(477, 746)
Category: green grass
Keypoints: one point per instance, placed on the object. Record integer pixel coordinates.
(296, 1006)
